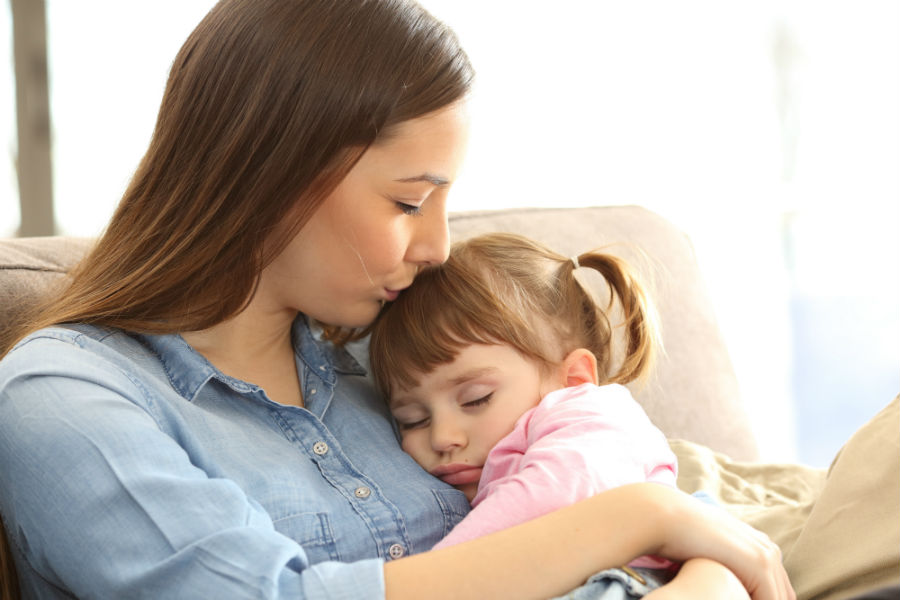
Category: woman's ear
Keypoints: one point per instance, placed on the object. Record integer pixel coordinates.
(580, 366)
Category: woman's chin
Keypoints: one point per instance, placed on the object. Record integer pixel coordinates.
(358, 318)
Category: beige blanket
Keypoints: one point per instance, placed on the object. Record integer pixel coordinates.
(839, 529)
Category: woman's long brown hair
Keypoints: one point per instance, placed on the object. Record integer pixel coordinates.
(268, 104)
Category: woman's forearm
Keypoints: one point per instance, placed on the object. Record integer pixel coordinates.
(543, 557)
(557, 552)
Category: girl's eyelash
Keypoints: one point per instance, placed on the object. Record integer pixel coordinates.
(480, 401)
(424, 422)
(413, 425)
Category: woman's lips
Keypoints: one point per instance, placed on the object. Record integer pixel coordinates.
(457, 473)
(391, 294)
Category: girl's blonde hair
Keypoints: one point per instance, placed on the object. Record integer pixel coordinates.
(506, 289)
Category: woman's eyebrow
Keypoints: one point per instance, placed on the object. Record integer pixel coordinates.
(435, 180)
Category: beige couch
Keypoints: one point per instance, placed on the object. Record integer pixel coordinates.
(693, 395)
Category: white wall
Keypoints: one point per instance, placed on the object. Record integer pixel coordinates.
(768, 131)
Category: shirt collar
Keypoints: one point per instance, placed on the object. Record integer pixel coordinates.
(189, 371)
(321, 356)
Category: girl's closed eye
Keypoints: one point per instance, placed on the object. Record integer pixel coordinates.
(412, 425)
(411, 419)
(478, 401)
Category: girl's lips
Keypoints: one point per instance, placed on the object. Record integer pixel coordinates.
(457, 473)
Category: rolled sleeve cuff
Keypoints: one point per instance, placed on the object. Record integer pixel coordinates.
(345, 581)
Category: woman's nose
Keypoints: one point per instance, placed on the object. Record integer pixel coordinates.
(431, 245)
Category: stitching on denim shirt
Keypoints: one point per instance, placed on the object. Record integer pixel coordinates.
(454, 507)
(321, 535)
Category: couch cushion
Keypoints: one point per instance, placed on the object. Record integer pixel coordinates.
(693, 392)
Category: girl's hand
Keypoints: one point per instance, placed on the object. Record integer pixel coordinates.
(694, 529)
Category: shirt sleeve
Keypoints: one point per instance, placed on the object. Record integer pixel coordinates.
(575, 444)
(100, 501)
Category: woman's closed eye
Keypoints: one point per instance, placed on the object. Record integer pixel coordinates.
(412, 210)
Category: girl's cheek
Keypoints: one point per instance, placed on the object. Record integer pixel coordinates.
(406, 444)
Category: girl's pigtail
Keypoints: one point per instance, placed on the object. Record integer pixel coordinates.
(639, 317)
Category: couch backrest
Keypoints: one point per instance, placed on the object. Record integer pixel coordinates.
(693, 393)
(29, 267)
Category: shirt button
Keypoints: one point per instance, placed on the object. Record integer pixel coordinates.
(320, 448)
(396, 551)
(362, 492)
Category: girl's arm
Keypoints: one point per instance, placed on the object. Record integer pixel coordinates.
(701, 578)
(559, 551)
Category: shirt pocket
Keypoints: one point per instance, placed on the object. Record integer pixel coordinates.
(313, 532)
(454, 507)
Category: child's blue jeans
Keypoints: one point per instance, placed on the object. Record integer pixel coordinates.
(619, 584)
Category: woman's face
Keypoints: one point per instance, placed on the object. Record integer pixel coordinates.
(387, 218)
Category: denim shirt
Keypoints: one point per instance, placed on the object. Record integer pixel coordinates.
(131, 467)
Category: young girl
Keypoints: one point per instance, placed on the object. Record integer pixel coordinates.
(502, 377)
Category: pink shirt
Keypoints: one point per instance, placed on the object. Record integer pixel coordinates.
(575, 443)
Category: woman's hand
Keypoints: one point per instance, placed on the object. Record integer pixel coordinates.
(694, 529)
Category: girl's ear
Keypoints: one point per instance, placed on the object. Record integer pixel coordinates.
(580, 366)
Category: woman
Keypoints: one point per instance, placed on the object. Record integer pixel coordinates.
(188, 432)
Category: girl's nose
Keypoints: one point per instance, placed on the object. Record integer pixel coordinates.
(447, 435)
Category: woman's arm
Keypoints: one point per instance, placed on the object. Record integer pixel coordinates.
(100, 499)
(557, 552)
